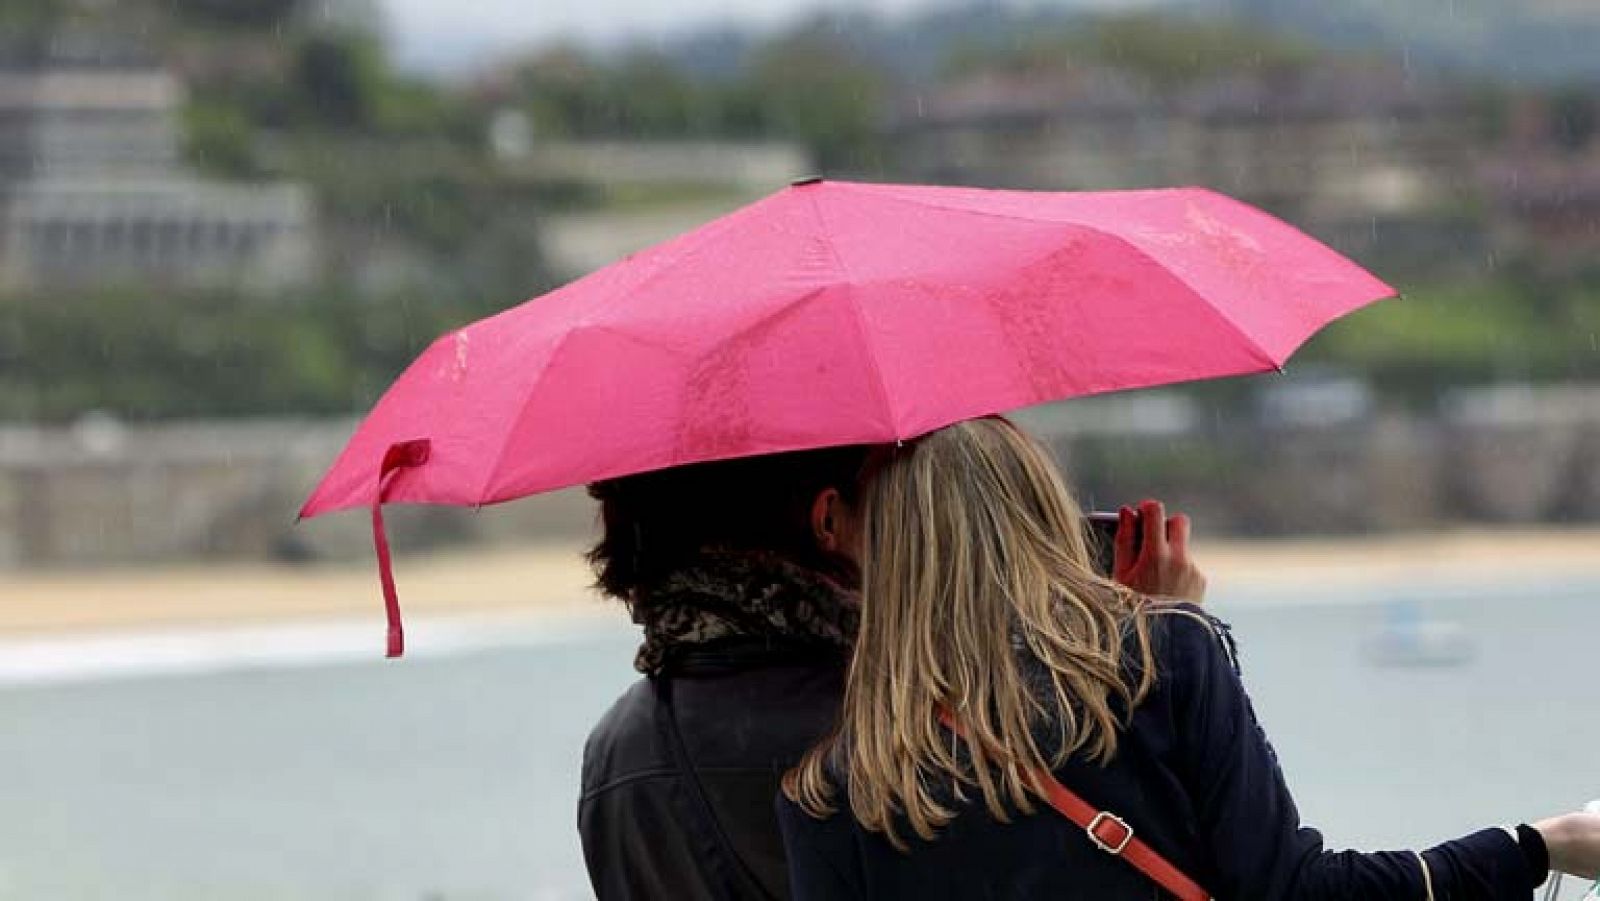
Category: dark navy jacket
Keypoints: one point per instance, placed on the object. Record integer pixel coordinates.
(1197, 780)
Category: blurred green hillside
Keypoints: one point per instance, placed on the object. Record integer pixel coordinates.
(404, 165)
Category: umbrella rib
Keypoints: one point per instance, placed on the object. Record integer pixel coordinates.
(696, 240)
(1232, 326)
(522, 409)
(860, 318)
(956, 208)
(533, 392)
(701, 239)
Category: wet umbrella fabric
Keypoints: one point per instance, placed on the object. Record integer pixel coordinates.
(840, 313)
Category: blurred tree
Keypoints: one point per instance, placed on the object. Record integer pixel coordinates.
(219, 139)
(246, 14)
(1164, 49)
(1517, 326)
(650, 97)
(19, 15)
(808, 87)
(812, 88)
(1574, 116)
(1490, 108)
(641, 94)
(1172, 51)
(144, 354)
(557, 90)
(408, 107)
(339, 79)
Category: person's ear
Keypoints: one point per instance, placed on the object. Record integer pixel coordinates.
(825, 519)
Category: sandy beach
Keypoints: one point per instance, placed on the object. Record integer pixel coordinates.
(547, 580)
(552, 580)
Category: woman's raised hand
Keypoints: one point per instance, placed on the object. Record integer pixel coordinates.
(1161, 566)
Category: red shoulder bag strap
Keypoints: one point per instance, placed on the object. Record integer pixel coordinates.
(1109, 832)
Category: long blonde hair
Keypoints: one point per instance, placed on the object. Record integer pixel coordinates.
(973, 558)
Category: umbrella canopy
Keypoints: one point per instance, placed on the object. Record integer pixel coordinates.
(840, 313)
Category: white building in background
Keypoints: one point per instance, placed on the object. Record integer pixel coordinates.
(92, 188)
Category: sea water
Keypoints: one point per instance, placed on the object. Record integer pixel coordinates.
(453, 776)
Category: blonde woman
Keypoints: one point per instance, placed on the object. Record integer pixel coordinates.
(995, 671)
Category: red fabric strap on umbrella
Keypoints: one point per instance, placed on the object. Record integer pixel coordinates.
(402, 455)
(1109, 832)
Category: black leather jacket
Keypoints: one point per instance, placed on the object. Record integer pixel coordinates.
(743, 713)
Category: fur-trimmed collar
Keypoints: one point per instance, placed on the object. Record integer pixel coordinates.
(722, 595)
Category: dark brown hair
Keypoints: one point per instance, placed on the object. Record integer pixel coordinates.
(655, 522)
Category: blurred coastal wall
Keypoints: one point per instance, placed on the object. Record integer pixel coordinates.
(1512, 455)
(103, 493)
(100, 493)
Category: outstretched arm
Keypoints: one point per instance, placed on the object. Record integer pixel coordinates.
(1248, 819)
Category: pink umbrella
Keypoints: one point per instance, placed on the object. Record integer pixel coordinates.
(839, 313)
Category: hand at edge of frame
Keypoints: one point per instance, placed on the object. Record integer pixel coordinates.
(1573, 840)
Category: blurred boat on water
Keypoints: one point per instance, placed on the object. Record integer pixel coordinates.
(1410, 637)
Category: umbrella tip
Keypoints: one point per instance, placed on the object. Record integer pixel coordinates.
(807, 180)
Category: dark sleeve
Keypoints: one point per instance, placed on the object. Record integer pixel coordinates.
(819, 852)
(1248, 820)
